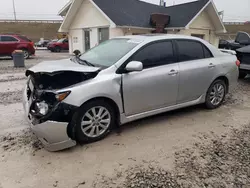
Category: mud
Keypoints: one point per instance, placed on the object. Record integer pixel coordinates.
(10, 97)
(24, 139)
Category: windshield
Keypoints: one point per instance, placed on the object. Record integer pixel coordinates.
(109, 52)
(60, 41)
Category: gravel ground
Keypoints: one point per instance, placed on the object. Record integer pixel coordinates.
(223, 161)
(191, 147)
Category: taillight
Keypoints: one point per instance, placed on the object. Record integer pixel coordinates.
(237, 63)
(32, 43)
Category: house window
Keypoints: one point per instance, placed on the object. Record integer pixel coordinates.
(103, 34)
(198, 36)
(75, 39)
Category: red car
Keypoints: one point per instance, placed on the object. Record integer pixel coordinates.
(11, 42)
(59, 45)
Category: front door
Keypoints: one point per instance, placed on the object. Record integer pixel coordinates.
(197, 69)
(156, 86)
(86, 40)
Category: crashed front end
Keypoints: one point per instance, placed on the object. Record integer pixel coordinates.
(49, 116)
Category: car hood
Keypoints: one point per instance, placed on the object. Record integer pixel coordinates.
(61, 65)
(245, 49)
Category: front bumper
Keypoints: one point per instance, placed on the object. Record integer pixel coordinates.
(52, 134)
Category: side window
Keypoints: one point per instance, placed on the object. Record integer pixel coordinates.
(207, 53)
(189, 50)
(8, 39)
(156, 54)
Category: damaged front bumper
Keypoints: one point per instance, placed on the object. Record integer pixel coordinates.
(52, 134)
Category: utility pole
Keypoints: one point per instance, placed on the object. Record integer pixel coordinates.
(162, 2)
(221, 14)
(14, 9)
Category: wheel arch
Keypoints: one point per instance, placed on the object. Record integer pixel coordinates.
(110, 102)
(71, 125)
(223, 78)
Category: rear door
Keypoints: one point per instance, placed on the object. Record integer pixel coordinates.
(197, 69)
(8, 44)
(156, 86)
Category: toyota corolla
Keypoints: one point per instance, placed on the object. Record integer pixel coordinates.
(80, 100)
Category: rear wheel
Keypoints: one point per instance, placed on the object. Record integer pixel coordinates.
(216, 94)
(26, 53)
(242, 75)
(94, 121)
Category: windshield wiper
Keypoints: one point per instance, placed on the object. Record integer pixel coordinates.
(84, 61)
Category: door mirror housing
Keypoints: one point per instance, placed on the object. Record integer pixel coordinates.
(134, 66)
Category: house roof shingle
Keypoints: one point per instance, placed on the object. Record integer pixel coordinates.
(136, 13)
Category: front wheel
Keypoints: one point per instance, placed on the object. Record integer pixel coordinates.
(94, 121)
(216, 94)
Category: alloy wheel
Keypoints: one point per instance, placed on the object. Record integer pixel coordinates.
(217, 94)
(25, 54)
(95, 121)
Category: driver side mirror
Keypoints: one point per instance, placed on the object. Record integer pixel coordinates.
(134, 66)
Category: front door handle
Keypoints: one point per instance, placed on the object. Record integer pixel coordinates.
(211, 65)
(173, 72)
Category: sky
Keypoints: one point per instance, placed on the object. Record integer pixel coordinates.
(234, 10)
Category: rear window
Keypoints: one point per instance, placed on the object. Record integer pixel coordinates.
(24, 38)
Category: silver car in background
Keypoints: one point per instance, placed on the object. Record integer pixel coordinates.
(123, 79)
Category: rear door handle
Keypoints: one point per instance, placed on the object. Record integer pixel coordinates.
(173, 72)
(211, 65)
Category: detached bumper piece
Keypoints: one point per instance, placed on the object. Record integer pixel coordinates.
(53, 135)
(51, 129)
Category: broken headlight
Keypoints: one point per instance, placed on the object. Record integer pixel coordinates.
(42, 108)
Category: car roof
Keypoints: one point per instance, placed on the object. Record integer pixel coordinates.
(154, 37)
(147, 38)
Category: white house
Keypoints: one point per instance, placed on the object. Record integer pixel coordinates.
(89, 22)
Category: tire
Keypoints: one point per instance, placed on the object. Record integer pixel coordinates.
(26, 53)
(219, 95)
(242, 75)
(84, 114)
(57, 49)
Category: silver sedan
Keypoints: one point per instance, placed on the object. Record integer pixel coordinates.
(80, 100)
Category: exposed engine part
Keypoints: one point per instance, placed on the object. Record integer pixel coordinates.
(46, 102)
(59, 80)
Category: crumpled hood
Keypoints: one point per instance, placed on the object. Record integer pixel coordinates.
(60, 65)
